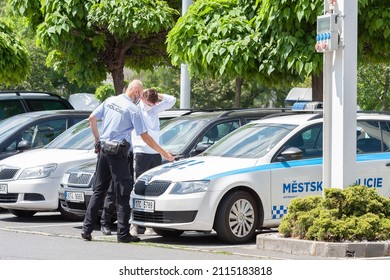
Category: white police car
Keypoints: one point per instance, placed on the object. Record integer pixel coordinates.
(247, 179)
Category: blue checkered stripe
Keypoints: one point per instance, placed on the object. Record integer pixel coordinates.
(279, 211)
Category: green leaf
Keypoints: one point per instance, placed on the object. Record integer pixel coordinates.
(300, 15)
(209, 57)
(378, 23)
(386, 33)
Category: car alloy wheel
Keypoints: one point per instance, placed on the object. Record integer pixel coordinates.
(236, 218)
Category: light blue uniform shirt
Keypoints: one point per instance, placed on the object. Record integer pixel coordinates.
(120, 116)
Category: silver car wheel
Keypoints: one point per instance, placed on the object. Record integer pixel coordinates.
(241, 218)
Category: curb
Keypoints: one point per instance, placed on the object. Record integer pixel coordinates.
(275, 242)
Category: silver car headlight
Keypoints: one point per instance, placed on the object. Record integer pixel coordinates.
(190, 187)
(38, 171)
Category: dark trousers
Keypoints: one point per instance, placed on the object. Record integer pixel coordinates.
(144, 162)
(109, 206)
(113, 168)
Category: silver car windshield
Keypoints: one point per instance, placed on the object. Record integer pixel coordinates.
(250, 141)
(77, 137)
(176, 134)
(8, 126)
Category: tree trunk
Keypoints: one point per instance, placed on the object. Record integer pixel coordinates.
(237, 98)
(317, 85)
(118, 79)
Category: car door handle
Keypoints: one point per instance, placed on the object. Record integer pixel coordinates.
(388, 164)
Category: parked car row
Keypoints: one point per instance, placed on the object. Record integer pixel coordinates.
(29, 181)
(184, 136)
(236, 173)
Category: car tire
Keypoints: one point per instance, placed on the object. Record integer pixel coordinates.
(70, 216)
(168, 233)
(22, 213)
(236, 218)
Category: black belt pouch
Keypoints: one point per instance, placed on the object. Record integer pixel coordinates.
(110, 148)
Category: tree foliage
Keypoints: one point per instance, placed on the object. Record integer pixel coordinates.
(88, 38)
(374, 86)
(268, 40)
(289, 30)
(15, 61)
(104, 91)
(209, 92)
(216, 39)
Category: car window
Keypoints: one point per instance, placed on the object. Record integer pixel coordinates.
(39, 134)
(10, 125)
(309, 141)
(77, 119)
(77, 137)
(250, 141)
(176, 133)
(43, 105)
(9, 108)
(218, 131)
(372, 137)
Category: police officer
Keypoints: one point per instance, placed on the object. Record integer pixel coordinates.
(120, 116)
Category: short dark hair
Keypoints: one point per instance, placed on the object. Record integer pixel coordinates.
(151, 95)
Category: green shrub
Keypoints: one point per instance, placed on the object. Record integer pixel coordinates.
(104, 91)
(356, 213)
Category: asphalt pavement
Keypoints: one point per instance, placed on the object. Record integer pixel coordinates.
(52, 227)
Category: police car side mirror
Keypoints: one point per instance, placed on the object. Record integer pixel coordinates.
(290, 154)
(23, 145)
(200, 148)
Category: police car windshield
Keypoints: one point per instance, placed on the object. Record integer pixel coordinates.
(77, 137)
(250, 141)
(175, 134)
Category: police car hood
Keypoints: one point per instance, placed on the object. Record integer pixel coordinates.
(43, 156)
(196, 168)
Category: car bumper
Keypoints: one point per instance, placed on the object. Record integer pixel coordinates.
(180, 212)
(34, 194)
(78, 207)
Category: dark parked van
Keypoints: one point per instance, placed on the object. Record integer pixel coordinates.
(17, 102)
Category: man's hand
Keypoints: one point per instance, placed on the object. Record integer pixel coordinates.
(168, 156)
(97, 147)
(151, 143)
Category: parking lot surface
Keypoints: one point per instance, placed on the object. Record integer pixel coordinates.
(50, 225)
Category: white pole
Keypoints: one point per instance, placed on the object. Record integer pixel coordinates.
(340, 103)
(185, 83)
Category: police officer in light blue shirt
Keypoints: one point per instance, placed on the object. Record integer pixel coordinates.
(120, 116)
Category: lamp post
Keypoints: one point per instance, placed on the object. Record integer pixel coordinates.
(185, 83)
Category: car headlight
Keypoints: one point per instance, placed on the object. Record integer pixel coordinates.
(190, 187)
(38, 171)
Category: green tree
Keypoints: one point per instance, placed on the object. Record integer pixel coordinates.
(209, 92)
(41, 77)
(104, 91)
(216, 39)
(288, 31)
(15, 62)
(374, 86)
(268, 40)
(89, 38)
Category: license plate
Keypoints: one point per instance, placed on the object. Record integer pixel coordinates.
(3, 188)
(143, 205)
(74, 196)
